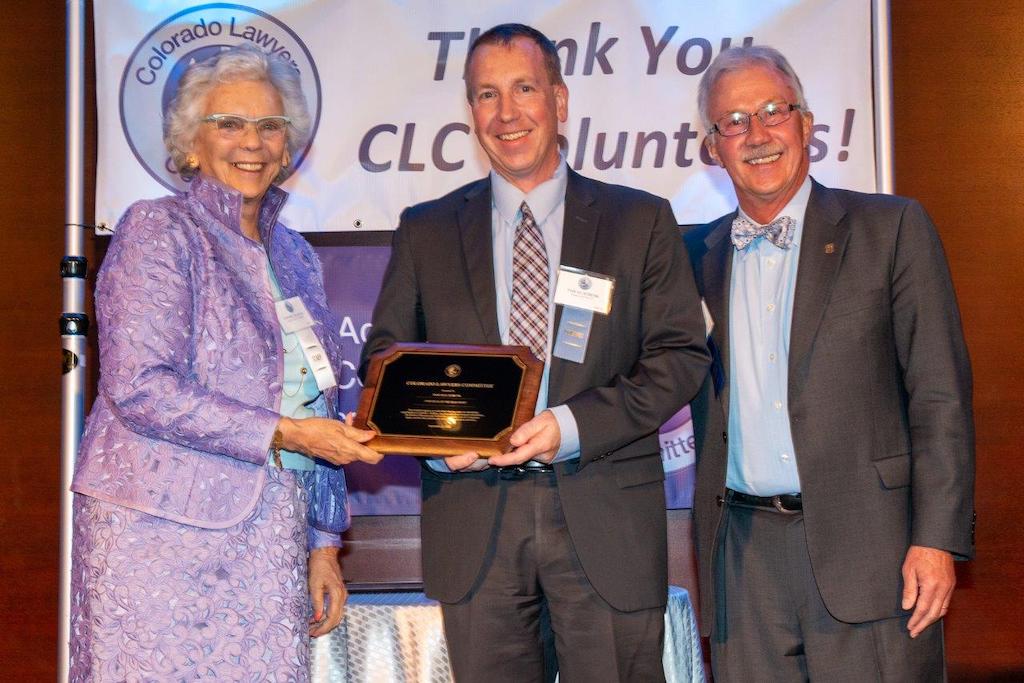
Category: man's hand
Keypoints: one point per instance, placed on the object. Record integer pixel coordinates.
(537, 439)
(928, 580)
(325, 577)
(466, 462)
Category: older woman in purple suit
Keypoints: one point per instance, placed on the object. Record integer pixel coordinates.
(210, 498)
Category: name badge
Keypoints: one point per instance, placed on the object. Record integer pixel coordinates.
(295, 319)
(292, 315)
(585, 290)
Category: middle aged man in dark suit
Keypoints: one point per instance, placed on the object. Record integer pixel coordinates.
(835, 454)
(561, 540)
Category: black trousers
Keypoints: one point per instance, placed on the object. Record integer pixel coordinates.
(534, 613)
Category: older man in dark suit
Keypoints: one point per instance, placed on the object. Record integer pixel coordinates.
(560, 542)
(835, 447)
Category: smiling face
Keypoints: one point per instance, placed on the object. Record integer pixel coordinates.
(767, 164)
(247, 163)
(516, 111)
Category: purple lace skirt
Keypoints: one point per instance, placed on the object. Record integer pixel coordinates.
(154, 600)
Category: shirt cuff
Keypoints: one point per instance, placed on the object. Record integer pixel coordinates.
(438, 465)
(570, 432)
(322, 539)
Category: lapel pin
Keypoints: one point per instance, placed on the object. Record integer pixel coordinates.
(830, 248)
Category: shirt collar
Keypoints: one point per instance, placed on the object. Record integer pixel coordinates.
(225, 203)
(795, 209)
(542, 199)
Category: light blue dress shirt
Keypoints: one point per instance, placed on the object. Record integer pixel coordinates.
(762, 461)
(547, 202)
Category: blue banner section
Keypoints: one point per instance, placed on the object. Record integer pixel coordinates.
(352, 278)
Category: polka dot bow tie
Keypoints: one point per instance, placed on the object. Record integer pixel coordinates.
(779, 232)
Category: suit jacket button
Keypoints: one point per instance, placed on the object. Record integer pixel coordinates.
(725, 437)
(719, 500)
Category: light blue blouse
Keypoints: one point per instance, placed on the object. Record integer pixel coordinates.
(299, 388)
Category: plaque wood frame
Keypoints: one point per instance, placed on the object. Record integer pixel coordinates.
(529, 367)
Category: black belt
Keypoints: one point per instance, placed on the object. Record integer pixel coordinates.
(787, 502)
(516, 471)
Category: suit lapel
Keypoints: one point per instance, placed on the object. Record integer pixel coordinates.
(716, 273)
(579, 228)
(579, 237)
(478, 251)
(823, 243)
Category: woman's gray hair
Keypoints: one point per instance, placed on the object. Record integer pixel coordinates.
(736, 58)
(240, 63)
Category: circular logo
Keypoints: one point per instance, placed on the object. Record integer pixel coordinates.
(585, 283)
(153, 72)
(452, 371)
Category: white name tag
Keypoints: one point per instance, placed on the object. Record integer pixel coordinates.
(292, 315)
(295, 319)
(585, 290)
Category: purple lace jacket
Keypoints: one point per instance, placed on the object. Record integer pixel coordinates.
(191, 357)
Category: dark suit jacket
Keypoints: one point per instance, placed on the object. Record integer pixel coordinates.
(645, 360)
(879, 398)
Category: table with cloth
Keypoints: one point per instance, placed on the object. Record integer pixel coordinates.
(398, 638)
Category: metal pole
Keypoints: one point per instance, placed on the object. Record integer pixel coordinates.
(882, 60)
(74, 324)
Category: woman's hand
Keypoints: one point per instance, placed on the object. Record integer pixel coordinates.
(339, 443)
(325, 579)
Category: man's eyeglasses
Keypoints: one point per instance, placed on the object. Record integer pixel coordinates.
(231, 126)
(738, 122)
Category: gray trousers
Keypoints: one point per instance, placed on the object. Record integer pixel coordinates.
(771, 624)
(533, 611)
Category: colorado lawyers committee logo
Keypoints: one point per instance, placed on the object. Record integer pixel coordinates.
(153, 73)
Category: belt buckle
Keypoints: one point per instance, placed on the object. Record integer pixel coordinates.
(523, 469)
(512, 472)
(777, 504)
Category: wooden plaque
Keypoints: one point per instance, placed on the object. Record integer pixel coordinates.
(447, 399)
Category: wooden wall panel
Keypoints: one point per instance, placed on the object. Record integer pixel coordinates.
(958, 70)
(32, 216)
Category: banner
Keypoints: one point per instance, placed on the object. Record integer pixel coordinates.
(352, 278)
(384, 83)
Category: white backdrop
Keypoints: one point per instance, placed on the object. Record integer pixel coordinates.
(385, 78)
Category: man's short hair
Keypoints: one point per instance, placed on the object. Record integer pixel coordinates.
(504, 34)
(736, 58)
